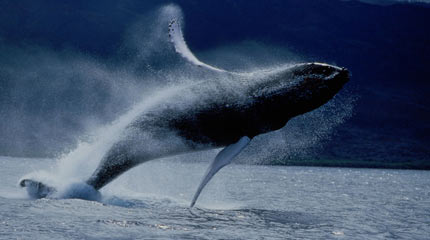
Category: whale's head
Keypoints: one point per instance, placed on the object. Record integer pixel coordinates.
(295, 90)
(310, 84)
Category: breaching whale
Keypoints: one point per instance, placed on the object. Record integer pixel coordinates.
(224, 112)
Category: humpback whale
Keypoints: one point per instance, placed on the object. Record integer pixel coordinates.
(222, 112)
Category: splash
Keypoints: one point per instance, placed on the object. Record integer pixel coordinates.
(80, 162)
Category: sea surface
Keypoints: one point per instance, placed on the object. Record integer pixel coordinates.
(242, 202)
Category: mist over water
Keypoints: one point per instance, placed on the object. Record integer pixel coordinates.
(52, 98)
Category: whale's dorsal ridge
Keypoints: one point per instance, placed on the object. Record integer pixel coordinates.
(177, 38)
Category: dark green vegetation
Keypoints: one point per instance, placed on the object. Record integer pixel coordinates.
(316, 162)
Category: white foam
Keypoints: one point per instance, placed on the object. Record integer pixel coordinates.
(78, 191)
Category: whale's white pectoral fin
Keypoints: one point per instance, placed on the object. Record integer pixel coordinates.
(223, 158)
(176, 37)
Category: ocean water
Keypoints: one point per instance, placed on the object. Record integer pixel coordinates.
(241, 202)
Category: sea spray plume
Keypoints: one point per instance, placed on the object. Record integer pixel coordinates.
(304, 136)
(228, 110)
(146, 49)
(50, 98)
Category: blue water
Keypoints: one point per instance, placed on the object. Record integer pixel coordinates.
(241, 202)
